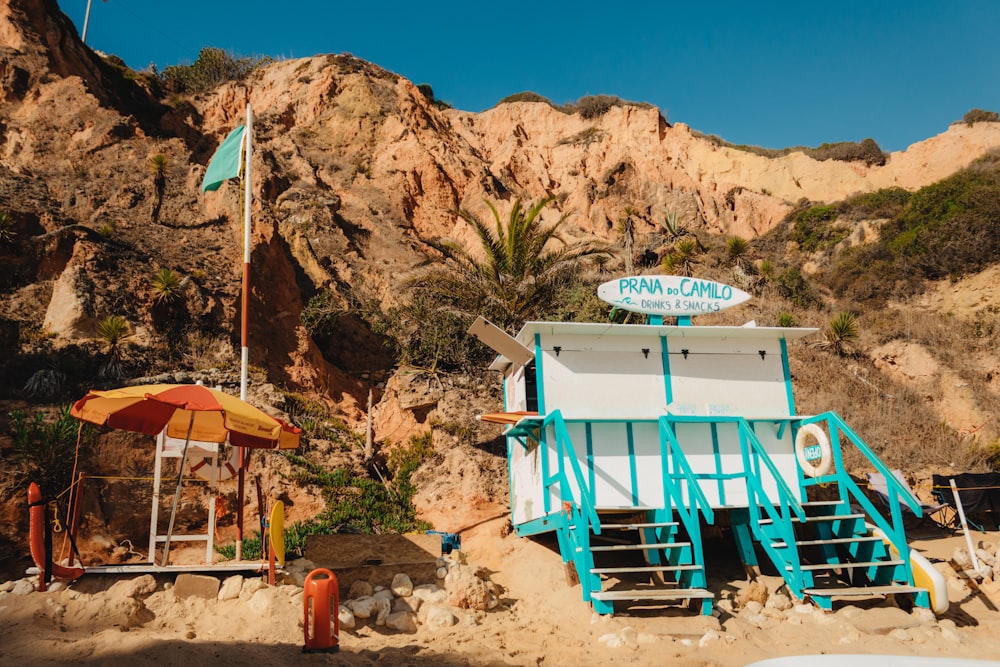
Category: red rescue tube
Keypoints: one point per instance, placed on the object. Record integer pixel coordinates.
(36, 521)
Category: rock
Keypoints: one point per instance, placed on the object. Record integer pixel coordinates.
(264, 603)
(753, 607)
(923, 616)
(346, 618)
(430, 593)
(231, 587)
(6, 586)
(299, 569)
(961, 557)
(883, 620)
(188, 585)
(611, 640)
(250, 588)
(22, 587)
(403, 621)
(145, 585)
(383, 608)
(384, 594)
(362, 607)
(442, 572)
(900, 635)
(401, 585)
(437, 616)
(630, 636)
(779, 601)
(709, 637)
(360, 589)
(755, 591)
(57, 586)
(411, 604)
(466, 590)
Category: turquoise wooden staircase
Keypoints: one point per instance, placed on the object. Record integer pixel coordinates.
(826, 548)
(638, 554)
(823, 549)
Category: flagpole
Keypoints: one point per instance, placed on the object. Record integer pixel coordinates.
(244, 350)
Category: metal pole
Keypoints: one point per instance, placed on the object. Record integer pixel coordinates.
(244, 350)
(965, 528)
(177, 492)
(86, 22)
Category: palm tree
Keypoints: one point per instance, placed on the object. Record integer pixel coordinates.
(158, 165)
(519, 274)
(627, 228)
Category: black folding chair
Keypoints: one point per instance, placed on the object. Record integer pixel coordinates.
(878, 484)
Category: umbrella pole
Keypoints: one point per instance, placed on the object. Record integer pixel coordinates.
(177, 491)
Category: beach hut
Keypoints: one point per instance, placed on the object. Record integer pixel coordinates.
(626, 440)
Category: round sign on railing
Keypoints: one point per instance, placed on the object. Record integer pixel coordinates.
(670, 295)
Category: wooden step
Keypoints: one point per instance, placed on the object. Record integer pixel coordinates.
(857, 591)
(644, 568)
(637, 526)
(844, 566)
(817, 519)
(641, 547)
(837, 540)
(646, 594)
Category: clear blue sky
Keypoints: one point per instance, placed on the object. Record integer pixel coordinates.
(774, 74)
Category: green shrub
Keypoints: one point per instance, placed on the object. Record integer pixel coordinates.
(812, 228)
(595, 106)
(787, 320)
(979, 116)
(212, 68)
(867, 151)
(793, 286)
(364, 503)
(45, 445)
(7, 232)
(884, 203)
(321, 313)
(526, 96)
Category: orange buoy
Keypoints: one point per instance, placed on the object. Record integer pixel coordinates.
(36, 531)
(321, 596)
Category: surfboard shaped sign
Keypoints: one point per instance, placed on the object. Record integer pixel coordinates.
(674, 296)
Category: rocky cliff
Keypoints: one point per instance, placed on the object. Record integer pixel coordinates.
(355, 172)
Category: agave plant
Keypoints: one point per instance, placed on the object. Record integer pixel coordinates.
(682, 258)
(7, 232)
(167, 286)
(737, 250)
(841, 332)
(113, 330)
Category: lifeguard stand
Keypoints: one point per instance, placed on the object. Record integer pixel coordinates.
(651, 431)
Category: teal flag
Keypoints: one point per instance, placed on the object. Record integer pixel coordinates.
(225, 164)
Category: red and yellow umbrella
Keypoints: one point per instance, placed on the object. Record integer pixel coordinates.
(187, 411)
(190, 412)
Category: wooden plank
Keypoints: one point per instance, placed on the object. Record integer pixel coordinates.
(376, 558)
(350, 550)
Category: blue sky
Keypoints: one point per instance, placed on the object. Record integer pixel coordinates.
(773, 74)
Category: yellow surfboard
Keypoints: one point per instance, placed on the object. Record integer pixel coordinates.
(277, 531)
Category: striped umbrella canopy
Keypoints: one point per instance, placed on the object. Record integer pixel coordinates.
(189, 412)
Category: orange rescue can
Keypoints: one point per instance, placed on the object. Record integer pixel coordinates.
(322, 612)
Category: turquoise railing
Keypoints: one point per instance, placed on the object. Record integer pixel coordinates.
(673, 497)
(754, 455)
(580, 514)
(892, 528)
